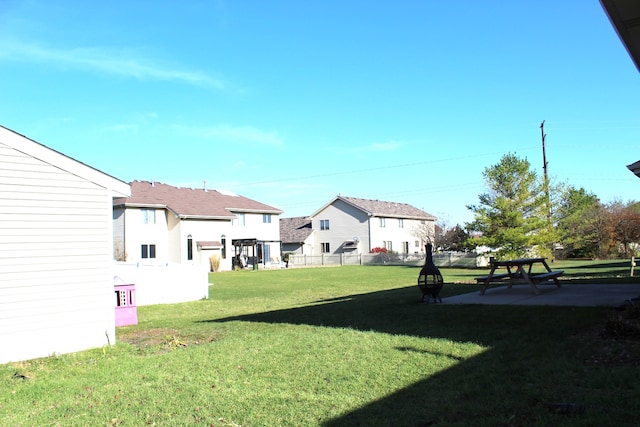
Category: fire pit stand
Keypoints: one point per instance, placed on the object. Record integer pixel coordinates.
(430, 280)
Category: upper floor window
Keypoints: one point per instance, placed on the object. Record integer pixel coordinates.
(189, 248)
(266, 218)
(400, 223)
(240, 219)
(324, 224)
(148, 216)
(383, 222)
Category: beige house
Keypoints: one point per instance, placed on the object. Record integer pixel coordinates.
(160, 224)
(350, 225)
(56, 264)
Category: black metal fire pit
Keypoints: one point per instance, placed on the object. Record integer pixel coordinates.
(430, 280)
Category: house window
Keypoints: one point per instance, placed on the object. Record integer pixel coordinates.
(266, 218)
(223, 239)
(189, 248)
(324, 225)
(417, 244)
(400, 223)
(325, 248)
(405, 247)
(148, 251)
(383, 222)
(240, 219)
(148, 216)
(388, 245)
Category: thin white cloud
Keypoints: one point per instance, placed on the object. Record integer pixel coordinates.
(134, 125)
(386, 146)
(243, 133)
(115, 62)
(376, 147)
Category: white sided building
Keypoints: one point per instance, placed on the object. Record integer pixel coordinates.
(164, 224)
(56, 277)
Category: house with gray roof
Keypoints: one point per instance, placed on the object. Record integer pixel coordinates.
(353, 225)
(296, 235)
(160, 223)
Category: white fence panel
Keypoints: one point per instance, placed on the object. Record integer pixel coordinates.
(446, 259)
(164, 283)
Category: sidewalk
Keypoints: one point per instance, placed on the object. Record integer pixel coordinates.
(567, 295)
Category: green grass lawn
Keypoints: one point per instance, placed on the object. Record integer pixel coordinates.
(341, 346)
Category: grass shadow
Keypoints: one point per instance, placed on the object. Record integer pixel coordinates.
(523, 345)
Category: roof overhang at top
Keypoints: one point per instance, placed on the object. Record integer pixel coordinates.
(635, 168)
(625, 18)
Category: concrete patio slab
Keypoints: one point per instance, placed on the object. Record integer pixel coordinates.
(567, 295)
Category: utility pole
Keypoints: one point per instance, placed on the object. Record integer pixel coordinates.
(546, 175)
(546, 185)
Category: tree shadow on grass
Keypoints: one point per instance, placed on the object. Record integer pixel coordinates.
(522, 344)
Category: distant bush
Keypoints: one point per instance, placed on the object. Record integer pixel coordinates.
(215, 262)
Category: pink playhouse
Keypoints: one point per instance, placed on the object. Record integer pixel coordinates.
(126, 310)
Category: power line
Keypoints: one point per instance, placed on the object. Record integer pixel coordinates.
(368, 170)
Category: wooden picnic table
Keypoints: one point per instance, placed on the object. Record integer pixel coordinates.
(518, 271)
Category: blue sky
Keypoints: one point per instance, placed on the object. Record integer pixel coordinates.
(294, 102)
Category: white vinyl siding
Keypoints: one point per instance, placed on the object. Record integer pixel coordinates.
(56, 289)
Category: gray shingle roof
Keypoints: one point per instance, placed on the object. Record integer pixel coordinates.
(388, 209)
(188, 202)
(295, 230)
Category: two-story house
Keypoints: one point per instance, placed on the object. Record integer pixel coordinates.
(160, 223)
(354, 225)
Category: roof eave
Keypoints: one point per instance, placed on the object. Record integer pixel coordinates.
(627, 28)
(141, 205)
(206, 217)
(635, 168)
(426, 218)
(245, 210)
(326, 205)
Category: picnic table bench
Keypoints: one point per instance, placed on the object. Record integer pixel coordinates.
(520, 270)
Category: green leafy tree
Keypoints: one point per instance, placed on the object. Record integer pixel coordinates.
(580, 223)
(511, 216)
